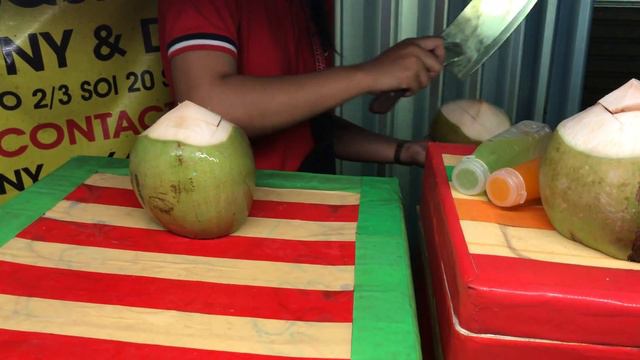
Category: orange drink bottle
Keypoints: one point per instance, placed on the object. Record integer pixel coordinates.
(512, 186)
(521, 142)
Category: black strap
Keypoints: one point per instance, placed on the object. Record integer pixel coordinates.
(396, 155)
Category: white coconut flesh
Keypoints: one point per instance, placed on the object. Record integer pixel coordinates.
(610, 128)
(477, 119)
(191, 124)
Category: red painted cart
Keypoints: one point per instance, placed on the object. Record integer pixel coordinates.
(506, 285)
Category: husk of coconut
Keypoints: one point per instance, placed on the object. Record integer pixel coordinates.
(194, 172)
(590, 175)
(468, 121)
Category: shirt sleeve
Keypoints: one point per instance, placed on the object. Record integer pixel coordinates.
(198, 25)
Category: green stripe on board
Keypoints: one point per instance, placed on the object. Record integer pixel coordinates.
(449, 170)
(384, 313)
(307, 181)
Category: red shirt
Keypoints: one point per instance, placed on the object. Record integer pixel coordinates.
(266, 37)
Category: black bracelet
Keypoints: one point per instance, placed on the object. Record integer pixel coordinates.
(396, 155)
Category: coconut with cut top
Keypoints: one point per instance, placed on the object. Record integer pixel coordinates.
(468, 121)
(194, 172)
(590, 175)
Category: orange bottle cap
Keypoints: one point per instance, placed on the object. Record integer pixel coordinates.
(505, 187)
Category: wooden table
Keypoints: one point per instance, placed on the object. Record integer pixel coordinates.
(320, 270)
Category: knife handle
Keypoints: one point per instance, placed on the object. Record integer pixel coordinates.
(383, 102)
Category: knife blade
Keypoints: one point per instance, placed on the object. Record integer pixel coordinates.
(471, 38)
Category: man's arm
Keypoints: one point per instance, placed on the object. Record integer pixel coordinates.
(355, 143)
(263, 105)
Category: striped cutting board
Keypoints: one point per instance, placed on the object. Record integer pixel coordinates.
(93, 276)
(520, 232)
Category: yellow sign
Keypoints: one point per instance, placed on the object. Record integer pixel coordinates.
(77, 77)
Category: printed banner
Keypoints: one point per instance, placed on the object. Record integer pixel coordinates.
(77, 77)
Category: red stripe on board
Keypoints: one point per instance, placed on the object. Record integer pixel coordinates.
(304, 211)
(179, 295)
(261, 208)
(104, 195)
(25, 345)
(160, 241)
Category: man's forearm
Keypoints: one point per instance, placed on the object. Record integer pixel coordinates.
(262, 105)
(355, 143)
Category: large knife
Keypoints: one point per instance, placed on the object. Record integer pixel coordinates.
(471, 38)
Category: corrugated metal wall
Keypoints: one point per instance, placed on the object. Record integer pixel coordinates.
(537, 74)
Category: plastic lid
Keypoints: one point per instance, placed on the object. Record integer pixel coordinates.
(505, 187)
(470, 175)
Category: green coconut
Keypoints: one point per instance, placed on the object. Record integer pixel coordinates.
(194, 172)
(590, 175)
(468, 122)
